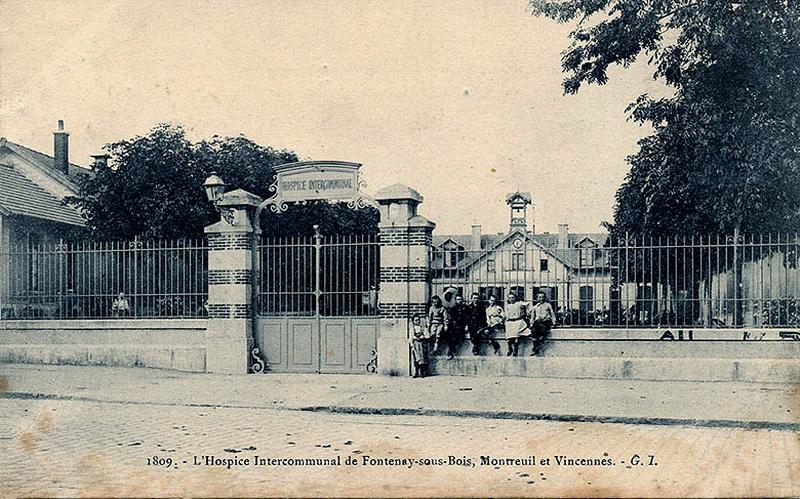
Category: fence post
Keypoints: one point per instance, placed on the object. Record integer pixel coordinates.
(738, 311)
(317, 272)
(229, 338)
(405, 239)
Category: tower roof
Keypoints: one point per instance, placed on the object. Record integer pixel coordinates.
(524, 196)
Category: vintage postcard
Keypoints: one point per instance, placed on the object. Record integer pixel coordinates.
(523, 248)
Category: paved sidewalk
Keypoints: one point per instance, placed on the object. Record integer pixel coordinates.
(747, 405)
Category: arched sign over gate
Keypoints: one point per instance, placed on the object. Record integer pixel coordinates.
(316, 297)
(316, 181)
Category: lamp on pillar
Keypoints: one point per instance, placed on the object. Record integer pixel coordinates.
(215, 192)
(231, 249)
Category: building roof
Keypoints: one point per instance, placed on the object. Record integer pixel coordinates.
(46, 163)
(570, 256)
(21, 196)
(547, 240)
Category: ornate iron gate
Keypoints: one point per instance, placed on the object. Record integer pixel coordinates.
(317, 303)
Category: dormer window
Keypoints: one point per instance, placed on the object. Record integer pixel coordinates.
(453, 253)
(587, 257)
(587, 252)
(452, 258)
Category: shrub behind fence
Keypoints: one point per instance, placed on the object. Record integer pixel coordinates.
(167, 279)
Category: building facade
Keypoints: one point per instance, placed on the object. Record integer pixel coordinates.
(571, 269)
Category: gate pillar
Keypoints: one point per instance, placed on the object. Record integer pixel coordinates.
(405, 238)
(229, 338)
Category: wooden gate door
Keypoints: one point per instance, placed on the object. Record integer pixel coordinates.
(317, 303)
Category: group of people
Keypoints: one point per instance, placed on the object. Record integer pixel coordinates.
(515, 322)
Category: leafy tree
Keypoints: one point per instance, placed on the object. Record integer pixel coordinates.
(725, 149)
(153, 188)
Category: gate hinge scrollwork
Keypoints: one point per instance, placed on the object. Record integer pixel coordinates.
(372, 365)
(258, 366)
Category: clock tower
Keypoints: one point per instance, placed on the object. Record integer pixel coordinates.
(518, 203)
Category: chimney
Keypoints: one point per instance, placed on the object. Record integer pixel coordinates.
(100, 160)
(476, 237)
(61, 149)
(563, 236)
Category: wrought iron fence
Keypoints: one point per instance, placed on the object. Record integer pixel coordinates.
(327, 275)
(709, 281)
(167, 279)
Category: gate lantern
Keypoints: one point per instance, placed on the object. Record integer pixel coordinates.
(215, 188)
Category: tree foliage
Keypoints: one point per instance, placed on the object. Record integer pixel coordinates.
(725, 147)
(153, 188)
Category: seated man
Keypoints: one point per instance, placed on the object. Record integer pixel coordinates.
(477, 327)
(459, 320)
(542, 320)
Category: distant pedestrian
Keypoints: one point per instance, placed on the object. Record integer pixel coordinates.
(121, 307)
(516, 314)
(542, 320)
(420, 346)
(438, 322)
(202, 311)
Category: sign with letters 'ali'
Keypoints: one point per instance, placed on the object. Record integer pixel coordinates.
(316, 181)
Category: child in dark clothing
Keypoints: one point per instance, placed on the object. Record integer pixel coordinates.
(419, 347)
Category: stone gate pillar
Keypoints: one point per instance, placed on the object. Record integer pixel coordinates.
(405, 238)
(229, 338)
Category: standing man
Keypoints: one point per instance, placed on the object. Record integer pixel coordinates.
(542, 320)
(459, 318)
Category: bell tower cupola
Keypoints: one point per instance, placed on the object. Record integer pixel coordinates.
(518, 202)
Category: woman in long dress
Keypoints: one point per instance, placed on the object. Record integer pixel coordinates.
(517, 313)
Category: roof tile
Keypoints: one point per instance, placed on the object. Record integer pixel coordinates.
(21, 196)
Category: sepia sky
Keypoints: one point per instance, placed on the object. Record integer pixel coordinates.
(460, 99)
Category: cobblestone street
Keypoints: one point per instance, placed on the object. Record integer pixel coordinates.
(82, 448)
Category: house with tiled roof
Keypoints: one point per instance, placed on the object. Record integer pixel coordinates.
(570, 268)
(33, 187)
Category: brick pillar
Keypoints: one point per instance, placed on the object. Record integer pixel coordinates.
(229, 338)
(405, 238)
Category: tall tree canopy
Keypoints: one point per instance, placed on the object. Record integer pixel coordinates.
(153, 188)
(725, 147)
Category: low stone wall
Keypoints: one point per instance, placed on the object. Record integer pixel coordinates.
(160, 343)
(753, 355)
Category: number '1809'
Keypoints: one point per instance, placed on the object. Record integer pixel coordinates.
(159, 461)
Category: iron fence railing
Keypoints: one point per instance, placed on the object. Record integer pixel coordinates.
(167, 279)
(709, 281)
(329, 276)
